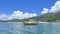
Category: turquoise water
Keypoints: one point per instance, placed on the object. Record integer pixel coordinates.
(41, 28)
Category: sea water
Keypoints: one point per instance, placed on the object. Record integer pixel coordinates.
(19, 28)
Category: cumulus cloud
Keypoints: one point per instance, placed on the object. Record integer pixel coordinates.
(55, 8)
(45, 10)
(17, 15)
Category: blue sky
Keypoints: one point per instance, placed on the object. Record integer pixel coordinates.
(31, 6)
(21, 9)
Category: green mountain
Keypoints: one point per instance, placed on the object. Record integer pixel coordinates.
(48, 17)
(44, 17)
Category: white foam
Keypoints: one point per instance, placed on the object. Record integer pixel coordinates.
(43, 22)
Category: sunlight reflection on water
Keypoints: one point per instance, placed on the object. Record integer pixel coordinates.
(41, 28)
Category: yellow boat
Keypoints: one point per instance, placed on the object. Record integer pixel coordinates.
(30, 22)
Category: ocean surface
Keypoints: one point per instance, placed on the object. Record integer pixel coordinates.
(20, 28)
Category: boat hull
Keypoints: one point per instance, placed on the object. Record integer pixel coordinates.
(30, 23)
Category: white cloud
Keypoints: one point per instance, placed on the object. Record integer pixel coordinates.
(17, 15)
(3, 17)
(45, 10)
(55, 8)
(27, 15)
